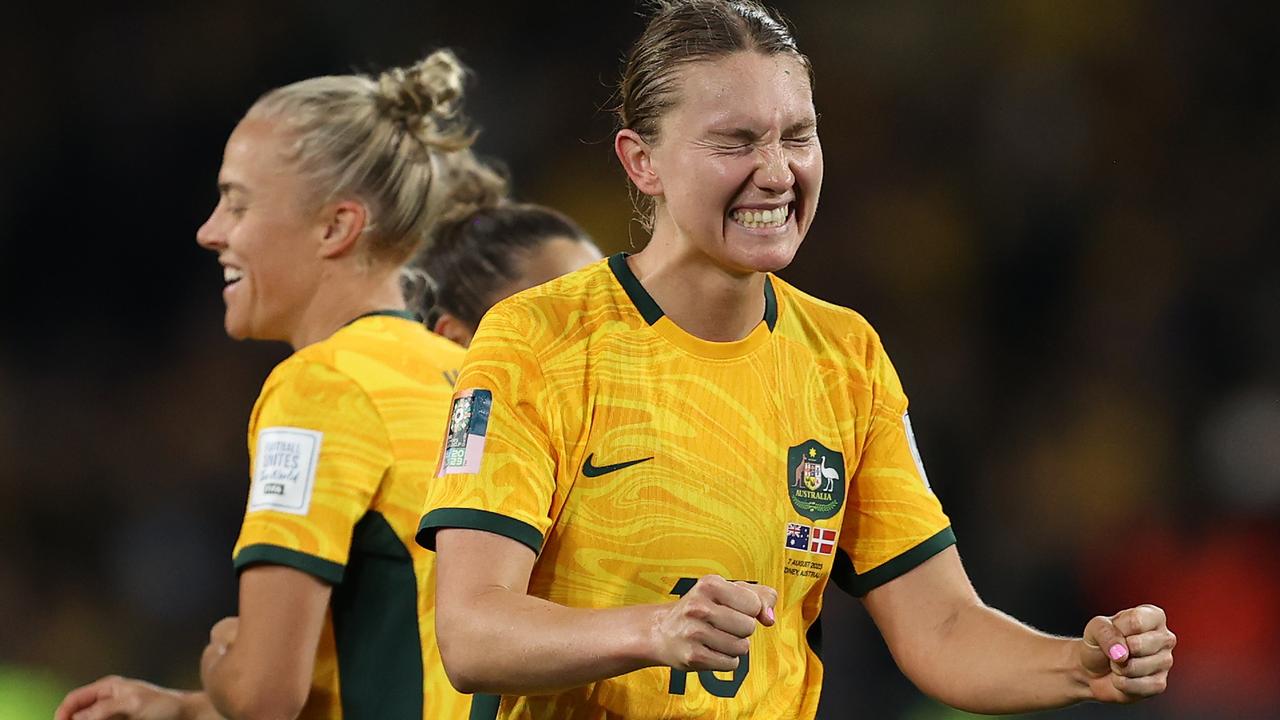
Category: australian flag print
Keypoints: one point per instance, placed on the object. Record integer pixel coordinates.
(797, 536)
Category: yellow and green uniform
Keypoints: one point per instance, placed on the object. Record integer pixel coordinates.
(634, 458)
(342, 444)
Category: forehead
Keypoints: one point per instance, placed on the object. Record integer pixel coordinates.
(743, 89)
(254, 153)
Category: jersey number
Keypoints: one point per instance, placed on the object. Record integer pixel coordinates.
(712, 684)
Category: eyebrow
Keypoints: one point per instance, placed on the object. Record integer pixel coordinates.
(748, 135)
(228, 186)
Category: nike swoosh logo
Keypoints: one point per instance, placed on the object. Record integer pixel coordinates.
(596, 471)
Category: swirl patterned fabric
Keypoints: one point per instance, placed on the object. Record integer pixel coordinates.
(342, 444)
(634, 458)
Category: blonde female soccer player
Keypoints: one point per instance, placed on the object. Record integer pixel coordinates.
(654, 466)
(326, 192)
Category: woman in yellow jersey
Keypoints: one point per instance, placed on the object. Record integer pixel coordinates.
(654, 466)
(328, 187)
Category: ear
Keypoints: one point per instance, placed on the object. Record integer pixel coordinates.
(450, 327)
(344, 223)
(637, 159)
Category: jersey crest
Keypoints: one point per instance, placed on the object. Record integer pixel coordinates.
(815, 480)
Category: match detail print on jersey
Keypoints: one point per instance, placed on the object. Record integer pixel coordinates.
(284, 470)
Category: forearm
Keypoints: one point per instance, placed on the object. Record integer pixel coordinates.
(987, 662)
(239, 688)
(197, 706)
(508, 642)
(219, 678)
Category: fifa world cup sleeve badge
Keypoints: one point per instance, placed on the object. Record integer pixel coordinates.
(468, 426)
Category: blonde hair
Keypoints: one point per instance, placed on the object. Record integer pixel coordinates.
(380, 141)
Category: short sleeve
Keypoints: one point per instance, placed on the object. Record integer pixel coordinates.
(497, 464)
(318, 453)
(893, 522)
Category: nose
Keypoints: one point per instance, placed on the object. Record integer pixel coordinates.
(773, 173)
(209, 236)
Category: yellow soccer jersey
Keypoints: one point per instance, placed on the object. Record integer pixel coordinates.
(634, 458)
(342, 443)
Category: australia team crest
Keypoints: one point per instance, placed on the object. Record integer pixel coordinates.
(815, 480)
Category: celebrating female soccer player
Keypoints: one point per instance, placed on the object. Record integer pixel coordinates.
(653, 466)
(326, 192)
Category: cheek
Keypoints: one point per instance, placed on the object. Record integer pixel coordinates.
(808, 171)
(263, 244)
(709, 186)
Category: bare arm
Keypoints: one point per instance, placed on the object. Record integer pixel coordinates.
(261, 670)
(976, 658)
(496, 638)
(257, 666)
(127, 699)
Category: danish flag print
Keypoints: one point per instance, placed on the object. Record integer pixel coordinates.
(823, 541)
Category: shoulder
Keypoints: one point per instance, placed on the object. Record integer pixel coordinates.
(368, 357)
(828, 328)
(581, 299)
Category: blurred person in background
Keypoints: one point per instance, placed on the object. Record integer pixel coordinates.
(327, 189)
(487, 248)
(691, 368)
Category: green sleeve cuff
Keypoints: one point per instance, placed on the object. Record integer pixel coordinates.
(472, 519)
(859, 585)
(327, 570)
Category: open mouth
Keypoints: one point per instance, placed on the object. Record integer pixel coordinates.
(762, 219)
(231, 275)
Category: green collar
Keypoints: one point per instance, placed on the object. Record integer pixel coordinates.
(649, 308)
(402, 314)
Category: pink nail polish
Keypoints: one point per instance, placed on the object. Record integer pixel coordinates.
(768, 612)
(1117, 652)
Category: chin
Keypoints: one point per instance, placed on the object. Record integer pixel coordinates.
(768, 258)
(235, 332)
(236, 328)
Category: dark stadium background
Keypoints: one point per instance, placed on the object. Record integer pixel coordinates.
(1061, 217)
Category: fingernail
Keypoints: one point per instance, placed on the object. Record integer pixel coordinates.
(1118, 651)
(768, 612)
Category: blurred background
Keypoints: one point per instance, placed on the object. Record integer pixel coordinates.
(1061, 217)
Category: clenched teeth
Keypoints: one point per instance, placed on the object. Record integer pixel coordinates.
(775, 217)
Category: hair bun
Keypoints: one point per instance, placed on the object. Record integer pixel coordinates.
(424, 98)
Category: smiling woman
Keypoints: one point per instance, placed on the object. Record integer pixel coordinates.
(654, 466)
(327, 187)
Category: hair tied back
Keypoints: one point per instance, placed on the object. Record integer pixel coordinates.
(424, 100)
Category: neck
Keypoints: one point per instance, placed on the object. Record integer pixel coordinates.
(701, 297)
(343, 297)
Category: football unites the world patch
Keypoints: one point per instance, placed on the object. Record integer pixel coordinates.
(284, 469)
(817, 540)
(815, 480)
(468, 425)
